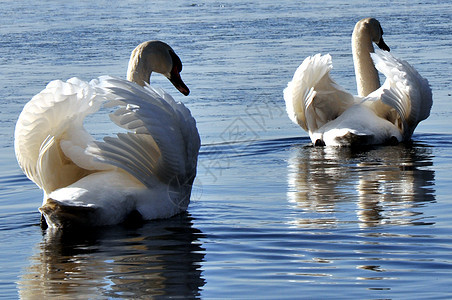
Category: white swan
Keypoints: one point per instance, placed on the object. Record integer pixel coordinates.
(144, 173)
(378, 115)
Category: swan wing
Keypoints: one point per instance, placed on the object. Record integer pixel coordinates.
(162, 142)
(313, 98)
(405, 97)
(50, 118)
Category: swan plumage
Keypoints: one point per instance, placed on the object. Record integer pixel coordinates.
(333, 116)
(147, 170)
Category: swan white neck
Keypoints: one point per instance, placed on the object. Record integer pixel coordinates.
(138, 71)
(367, 79)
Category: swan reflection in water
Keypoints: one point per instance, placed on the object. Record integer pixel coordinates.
(386, 183)
(162, 258)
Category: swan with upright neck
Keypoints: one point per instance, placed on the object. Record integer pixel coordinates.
(378, 114)
(143, 173)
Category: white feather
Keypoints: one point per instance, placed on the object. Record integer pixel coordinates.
(149, 169)
(333, 116)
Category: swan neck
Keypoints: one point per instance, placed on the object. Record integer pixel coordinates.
(367, 79)
(138, 70)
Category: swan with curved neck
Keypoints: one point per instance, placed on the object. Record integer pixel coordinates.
(155, 56)
(366, 32)
(377, 115)
(141, 174)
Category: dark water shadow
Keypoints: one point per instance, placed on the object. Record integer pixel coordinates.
(159, 259)
(388, 183)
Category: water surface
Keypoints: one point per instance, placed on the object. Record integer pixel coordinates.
(270, 216)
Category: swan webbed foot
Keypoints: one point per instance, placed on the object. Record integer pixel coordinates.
(319, 143)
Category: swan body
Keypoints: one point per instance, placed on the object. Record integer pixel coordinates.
(377, 115)
(145, 172)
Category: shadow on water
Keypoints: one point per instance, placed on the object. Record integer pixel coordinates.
(161, 258)
(387, 183)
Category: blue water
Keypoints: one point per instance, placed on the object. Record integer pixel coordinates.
(270, 217)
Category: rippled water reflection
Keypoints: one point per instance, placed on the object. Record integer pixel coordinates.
(388, 183)
(162, 258)
(364, 220)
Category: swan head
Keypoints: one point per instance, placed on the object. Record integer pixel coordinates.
(156, 56)
(373, 28)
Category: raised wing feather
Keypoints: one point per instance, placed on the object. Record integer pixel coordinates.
(313, 98)
(163, 141)
(404, 91)
(55, 114)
